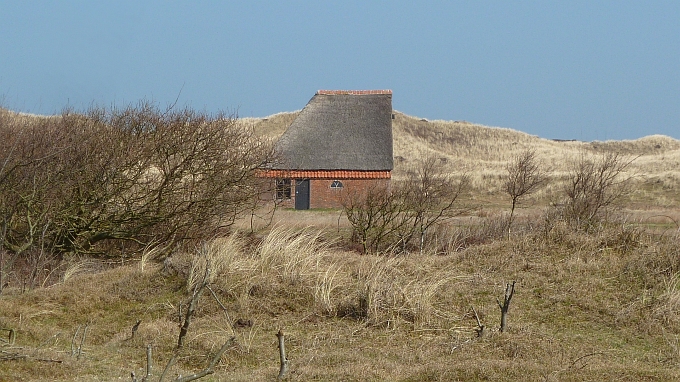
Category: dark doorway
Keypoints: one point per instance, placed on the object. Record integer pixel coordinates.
(302, 194)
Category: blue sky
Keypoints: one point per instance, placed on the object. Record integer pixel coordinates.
(588, 70)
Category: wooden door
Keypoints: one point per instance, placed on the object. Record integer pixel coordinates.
(302, 194)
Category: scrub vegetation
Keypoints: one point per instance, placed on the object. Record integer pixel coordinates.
(593, 257)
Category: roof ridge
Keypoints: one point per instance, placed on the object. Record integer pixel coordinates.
(353, 92)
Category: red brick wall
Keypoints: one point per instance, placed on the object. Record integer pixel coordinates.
(323, 196)
(321, 193)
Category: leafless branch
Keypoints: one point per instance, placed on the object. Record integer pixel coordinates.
(211, 366)
(198, 290)
(224, 308)
(480, 327)
(170, 364)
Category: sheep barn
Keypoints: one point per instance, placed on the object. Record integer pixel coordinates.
(341, 142)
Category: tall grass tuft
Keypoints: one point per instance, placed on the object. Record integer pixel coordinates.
(668, 305)
(391, 291)
(328, 286)
(218, 254)
(150, 252)
(76, 268)
(294, 255)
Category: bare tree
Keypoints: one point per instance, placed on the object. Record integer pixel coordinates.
(376, 216)
(385, 219)
(523, 178)
(432, 195)
(594, 184)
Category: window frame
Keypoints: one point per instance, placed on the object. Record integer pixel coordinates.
(284, 189)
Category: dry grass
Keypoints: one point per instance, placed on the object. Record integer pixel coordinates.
(588, 307)
(23, 118)
(272, 126)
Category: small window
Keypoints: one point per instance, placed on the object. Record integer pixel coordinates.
(283, 189)
(336, 184)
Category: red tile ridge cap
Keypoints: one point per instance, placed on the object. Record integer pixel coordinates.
(327, 174)
(353, 92)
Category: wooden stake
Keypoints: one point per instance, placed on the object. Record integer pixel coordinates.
(285, 363)
(149, 362)
(509, 291)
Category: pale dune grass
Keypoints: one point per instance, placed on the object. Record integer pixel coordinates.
(75, 268)
(294, 255)
(24, 118)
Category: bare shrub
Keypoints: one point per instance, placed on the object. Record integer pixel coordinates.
(385, 220)
(122, 179)
(377, 216)
(432, 195)
(594, 185)
(23, 188)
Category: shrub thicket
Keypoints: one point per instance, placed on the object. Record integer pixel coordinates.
(116, 181)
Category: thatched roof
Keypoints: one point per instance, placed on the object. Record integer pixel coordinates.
(340, 130)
